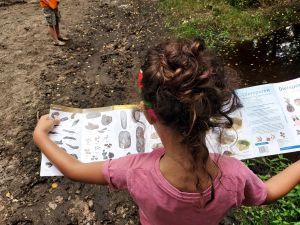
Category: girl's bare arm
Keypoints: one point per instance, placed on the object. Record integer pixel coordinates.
(279, 185)
(67, 164)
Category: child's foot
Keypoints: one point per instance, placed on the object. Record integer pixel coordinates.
(63, 38)
(59, 43)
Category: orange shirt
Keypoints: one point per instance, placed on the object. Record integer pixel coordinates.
(49, 3)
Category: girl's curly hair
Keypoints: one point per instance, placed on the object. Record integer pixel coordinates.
(188, 88)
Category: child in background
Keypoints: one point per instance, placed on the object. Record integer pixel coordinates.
(185, 93)
(52, 15)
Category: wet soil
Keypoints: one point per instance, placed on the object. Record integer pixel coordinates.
(96, 68)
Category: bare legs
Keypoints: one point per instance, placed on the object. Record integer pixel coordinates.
(55, 34)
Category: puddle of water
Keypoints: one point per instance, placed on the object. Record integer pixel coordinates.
(273, 58)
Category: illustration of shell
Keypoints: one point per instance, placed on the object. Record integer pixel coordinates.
(91, 126)
(93, 115)
(140, 140)
(64, 119)
(73, 115)
(123, 118)
(104, 154)
(102, 130)
(111, 155)
(72, 146)
(70, 138)
(49, 164)
(69, 131)
(105, 120)
(75, 122)
(136, 115)
(54, 114)
(124, 139)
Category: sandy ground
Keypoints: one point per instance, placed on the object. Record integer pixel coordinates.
(96, 68)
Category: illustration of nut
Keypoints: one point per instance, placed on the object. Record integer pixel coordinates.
(91, 126)
(140, 140)
(123, 118)
(124, 139)
(227, 138)
(93, 115)
(136, 115)
(105, 120)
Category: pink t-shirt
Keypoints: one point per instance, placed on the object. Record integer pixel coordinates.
(160, 203)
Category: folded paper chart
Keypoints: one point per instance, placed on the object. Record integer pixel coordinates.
(267, 124)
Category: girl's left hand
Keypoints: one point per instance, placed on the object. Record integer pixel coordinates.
(46, 124)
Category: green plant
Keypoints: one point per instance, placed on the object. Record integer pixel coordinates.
(243, 3)
(285, 211)
(220, 23)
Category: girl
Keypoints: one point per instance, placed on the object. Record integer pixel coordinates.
(185, 93)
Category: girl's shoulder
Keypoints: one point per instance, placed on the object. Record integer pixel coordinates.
(229, 165)
(140, 160)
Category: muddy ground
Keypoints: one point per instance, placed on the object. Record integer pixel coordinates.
(96, 68)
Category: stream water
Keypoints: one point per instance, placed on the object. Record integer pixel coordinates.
(274, 58)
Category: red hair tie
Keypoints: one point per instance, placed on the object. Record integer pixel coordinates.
(140, 78)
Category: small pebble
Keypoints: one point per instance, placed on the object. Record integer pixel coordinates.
(52, 205)
(91, 204)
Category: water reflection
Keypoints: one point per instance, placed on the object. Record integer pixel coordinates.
(273, 58)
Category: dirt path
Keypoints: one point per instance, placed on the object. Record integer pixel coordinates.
(96, 68)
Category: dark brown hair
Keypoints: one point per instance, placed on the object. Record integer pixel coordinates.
(190, 92)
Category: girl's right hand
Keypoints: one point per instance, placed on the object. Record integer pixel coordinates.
(46, 124)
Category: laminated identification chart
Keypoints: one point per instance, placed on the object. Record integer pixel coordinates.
(100, 133)
(267, 124)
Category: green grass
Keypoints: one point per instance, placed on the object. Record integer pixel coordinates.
(221, 24)
(285, 211)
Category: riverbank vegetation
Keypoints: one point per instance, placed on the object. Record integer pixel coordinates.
(224, 22)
